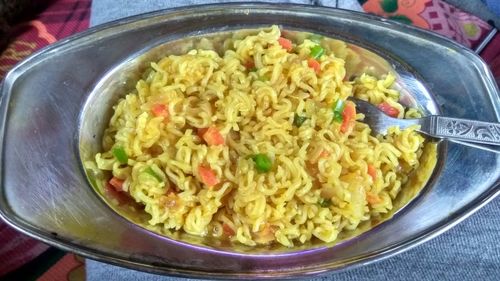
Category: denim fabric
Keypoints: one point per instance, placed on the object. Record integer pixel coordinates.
(493, 5)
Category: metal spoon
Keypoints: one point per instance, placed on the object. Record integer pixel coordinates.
(478, 134)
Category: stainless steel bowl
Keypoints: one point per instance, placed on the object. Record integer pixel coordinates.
(55, 104)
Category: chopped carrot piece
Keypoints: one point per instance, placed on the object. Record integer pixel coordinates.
(120, 197)
(249, 64)
(207, 176)
(348, 115)
(116, 183)
(372, 198)
(285, 43)
(314, 64)
(228, 231)
(388, 109)
(372, 171)
(324, 154)
(213, 136)
(160, 110)
(201, 132)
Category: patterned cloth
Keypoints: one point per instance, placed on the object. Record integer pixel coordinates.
(65, 17)
(61, 19)
(435, 15)
(13, 245)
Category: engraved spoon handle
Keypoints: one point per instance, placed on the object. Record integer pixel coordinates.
(462, 130)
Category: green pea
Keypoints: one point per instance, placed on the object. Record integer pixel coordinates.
(262, 162)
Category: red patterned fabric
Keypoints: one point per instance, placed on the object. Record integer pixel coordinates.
(449, 21)
(69, 268)
(16, 249)
(61, 19)
(491, 54)
(435, 15)
(442, 18)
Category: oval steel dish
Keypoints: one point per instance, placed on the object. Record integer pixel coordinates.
(44, 192)
(122, 80)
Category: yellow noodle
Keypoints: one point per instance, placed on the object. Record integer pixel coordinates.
(319, 184)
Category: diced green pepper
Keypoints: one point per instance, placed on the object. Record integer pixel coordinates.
(325, 203)
(317, 51)
(338, 108)
(316, 38)
(298, 120)
(150, 171)
(120, 154)
(253, 69)
(262, 163)
(263, 78)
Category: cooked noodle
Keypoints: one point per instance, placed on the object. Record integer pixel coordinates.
(322, 179)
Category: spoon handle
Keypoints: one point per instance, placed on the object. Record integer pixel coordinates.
(463, 130)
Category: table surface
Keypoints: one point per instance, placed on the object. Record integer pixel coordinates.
(469, 251)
